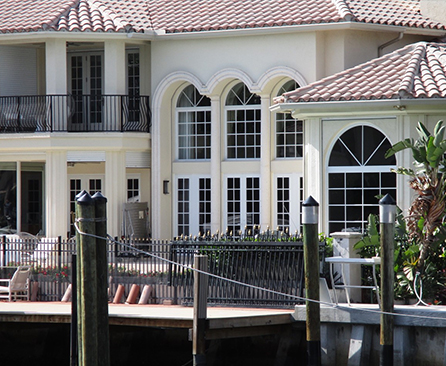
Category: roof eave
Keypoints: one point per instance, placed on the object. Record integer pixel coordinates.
(26, 37)
(308, 109)
(161, 35)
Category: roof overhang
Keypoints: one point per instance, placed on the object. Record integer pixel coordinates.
(355, 107)
(152, 35)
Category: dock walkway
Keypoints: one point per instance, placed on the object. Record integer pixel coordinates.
(222, 322)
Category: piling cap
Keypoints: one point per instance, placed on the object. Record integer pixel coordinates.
(98, 196)
(387, 200)
(80, 194)
(85, 199)
(387, 209)
(310, 201)
(310, 211)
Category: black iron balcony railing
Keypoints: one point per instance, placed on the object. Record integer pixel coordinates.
(75, 113)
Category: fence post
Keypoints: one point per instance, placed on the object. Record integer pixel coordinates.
(86, 282)
(310, 213)
(200, 310)
(387, 209)
(100, 203)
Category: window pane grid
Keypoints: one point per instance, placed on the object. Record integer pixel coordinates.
(183, 207)
(283, 204)
(233, 205)
(289, 136)
(194, 125)
(349, 207)
(204, 215)
(252, 202)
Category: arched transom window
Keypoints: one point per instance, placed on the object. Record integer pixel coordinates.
(357, 174)
(242, 123)
(194, 125)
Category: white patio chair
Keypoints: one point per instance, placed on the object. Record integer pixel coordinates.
(17, 286)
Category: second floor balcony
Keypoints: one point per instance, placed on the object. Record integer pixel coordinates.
(74, 113)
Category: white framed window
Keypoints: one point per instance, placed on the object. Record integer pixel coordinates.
(289, 197)
(193, 205)
(243, 122)
(289, 130)
(357, 174)
(78, 183)
(133, 188)
(242, 203)
(193, 125)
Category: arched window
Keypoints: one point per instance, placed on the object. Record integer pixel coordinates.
(357, 174)
(289, 131)
(242, 123)
(194, 125)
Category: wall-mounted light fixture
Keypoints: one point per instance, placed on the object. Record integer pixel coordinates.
(165, 186)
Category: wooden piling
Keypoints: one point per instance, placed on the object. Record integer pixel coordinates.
(387, 229)
(100, 203)
(311, 262)
(200, 310)
(86, 282)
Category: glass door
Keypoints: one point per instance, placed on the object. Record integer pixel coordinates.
(85, 84)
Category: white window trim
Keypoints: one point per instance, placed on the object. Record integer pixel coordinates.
(194, 199)
(295, 203)
(242, 198)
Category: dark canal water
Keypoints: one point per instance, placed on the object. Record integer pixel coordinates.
(25, 344)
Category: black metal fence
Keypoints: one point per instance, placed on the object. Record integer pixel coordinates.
(166, 266)
(74, 113)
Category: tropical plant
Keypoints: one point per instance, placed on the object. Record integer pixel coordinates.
(426, 215)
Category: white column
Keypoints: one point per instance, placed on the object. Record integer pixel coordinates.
(114, 67)
(56, 66)
(313, 164)
(19, 196)
(216, 192)
(56, 194)
(265, 164)
(56, 80)
(115, 190)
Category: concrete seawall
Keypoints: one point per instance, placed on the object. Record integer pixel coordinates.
(350, 335)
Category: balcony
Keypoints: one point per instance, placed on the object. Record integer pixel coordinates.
(74, 113)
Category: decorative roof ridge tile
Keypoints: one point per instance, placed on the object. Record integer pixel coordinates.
(344, 10)
(412, 68)
(54, 20)
(110, 14)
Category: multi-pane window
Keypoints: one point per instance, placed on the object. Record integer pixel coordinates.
(133, 85)
(289, 198)
(204, 196)
(95, 185)
(289, 131)
(283, 203)
(243, 122)
(133, 189)
(194, 125)
(358, 174)
(242, 203)
(193, 205)
(183, 206)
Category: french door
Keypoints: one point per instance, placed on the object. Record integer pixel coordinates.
(77, 184)
(86, 87)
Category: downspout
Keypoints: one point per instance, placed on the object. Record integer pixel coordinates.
(392, 41)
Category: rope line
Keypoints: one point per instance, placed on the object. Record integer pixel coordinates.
(335, 306)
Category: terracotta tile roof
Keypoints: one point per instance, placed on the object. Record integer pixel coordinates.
(173, 16)
(415, 71)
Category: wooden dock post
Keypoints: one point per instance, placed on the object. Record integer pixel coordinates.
(100, 203)
(310, 213)
(387, 209)
(200, 311)
(91, 275)
(86, 282)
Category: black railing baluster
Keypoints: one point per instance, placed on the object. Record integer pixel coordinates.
(75, 113)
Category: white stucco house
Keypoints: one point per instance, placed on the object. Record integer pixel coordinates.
(173, 104)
